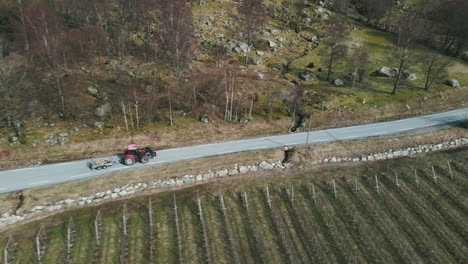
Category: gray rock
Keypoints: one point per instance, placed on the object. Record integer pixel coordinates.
(260, 53)
(34, 163)
(208, 176)
(244, 47)
(308, 76)
(233, 172)
(188, 181)
(280, 39)
(243, 169)
(453, 83)
(272, 44)
(386, 72)
(93, 91)
(265, 166)
(409, 76)
(219, 35)
(113, 62)
(399, 153)
(99, 124)
(204, 119)
(103, 110)
(222, 173)
(338, 82)
(13, 139)
(323, 107)
(37, 208)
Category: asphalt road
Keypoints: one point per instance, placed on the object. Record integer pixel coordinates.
(33, 177)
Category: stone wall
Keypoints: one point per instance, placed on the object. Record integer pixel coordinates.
(186, 180)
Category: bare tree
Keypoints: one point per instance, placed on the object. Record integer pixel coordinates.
(13, 92)
(46, 33)
(357, 64)
(253, 17)
(335, 43)
(410, 30)
(448, 25)
(435, 67)
(175, 35)
(373, 10)
(341, 6)
(295, 14)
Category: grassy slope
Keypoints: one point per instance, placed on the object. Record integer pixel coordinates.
(419, 221)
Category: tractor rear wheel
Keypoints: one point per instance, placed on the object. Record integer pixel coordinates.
(129, 161)
(144, 160)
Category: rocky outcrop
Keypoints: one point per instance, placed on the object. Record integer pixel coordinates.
(103, 110)
(308, 76)
(338, 82)
(386, 72)
(453, 83)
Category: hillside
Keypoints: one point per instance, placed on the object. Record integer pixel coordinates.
(113, 74)
(396, 211)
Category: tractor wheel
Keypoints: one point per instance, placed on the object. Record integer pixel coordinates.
(129, 161)
(104, 167)
(144, 160)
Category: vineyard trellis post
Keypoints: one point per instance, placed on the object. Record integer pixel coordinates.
(39, 245)
(5, 250)
(228, 227)
(179, 242)
(124, 245)
(450, 170)
(292, 195)
(246, 201)
(205, 235)
(434, 175)
(151, 230)
(334, 189)
(377, 184)
(356, 190)
(268, 196)
(314, 196)
(416, 177)
(397, 183)
(97, 225)
(70, 233)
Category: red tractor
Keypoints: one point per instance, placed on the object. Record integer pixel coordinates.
(134, 154)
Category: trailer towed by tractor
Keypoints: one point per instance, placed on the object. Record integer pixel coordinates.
(103, 163)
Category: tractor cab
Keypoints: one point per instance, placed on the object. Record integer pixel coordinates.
(133, 154)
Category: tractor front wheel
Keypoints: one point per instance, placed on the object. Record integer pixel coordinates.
(129, 161)
(144, 160)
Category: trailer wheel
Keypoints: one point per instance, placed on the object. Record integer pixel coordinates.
(144, 160)
(129, 161)
(104, 167)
